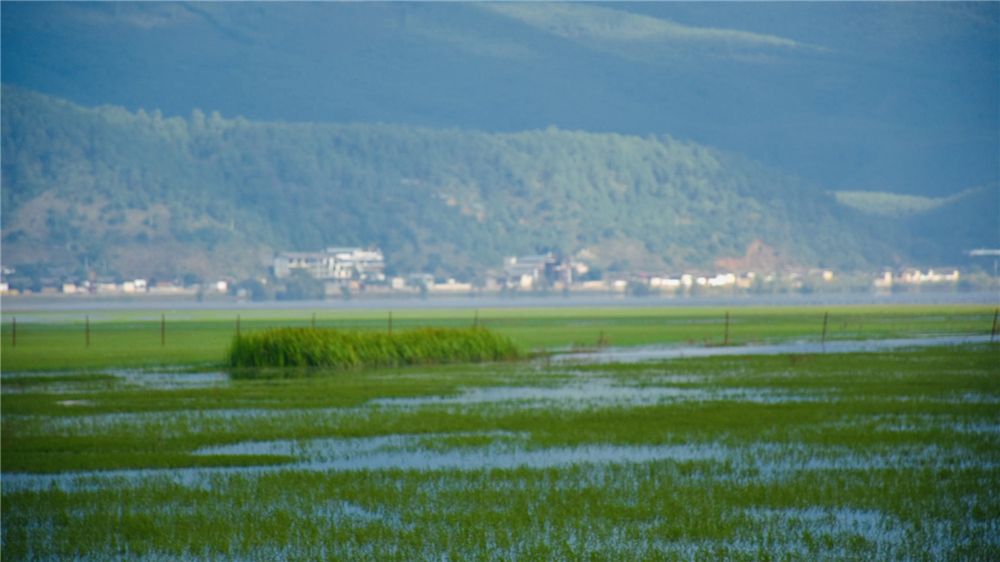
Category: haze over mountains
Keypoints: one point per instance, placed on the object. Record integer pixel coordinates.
(402, 125)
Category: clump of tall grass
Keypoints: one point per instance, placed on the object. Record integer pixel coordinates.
(341, 350)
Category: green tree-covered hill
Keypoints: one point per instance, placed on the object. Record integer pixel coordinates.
(138, 194)
(892, 96)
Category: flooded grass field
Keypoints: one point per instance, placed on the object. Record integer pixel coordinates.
(881, 454)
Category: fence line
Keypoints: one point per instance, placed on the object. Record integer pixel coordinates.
(736, 329)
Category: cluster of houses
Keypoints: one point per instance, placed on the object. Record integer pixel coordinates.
(349, 269)
(134, 287)
(889, 279)
(357, 268)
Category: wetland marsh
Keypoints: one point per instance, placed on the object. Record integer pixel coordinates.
(887, 453)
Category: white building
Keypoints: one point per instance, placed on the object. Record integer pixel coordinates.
(341, 264)
(529, 272)
(917, 277)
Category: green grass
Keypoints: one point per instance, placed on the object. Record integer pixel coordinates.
(862, 456)
(339, 350)
(889, 455)
(56, 340)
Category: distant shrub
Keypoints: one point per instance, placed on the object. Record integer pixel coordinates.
(312, 347)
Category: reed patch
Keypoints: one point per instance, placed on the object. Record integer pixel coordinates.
(343, 350)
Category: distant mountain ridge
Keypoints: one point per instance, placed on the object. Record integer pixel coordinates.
(901, 97)
(115, 192)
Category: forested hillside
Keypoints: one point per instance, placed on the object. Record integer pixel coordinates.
(137, 194)
(888, 96)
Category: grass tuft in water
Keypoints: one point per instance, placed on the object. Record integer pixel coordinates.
(341, 350)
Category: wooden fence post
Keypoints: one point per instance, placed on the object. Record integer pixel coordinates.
(826, 317)
(725, 340)
(993, 331)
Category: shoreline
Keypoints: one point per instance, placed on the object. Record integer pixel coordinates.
(12, 304)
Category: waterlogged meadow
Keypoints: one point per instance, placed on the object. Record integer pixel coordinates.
(890, 454)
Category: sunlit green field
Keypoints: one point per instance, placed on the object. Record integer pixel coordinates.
(58, 340)
(888, 455)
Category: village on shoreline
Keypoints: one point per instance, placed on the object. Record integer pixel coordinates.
(350, 272)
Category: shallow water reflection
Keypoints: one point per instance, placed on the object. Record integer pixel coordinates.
(170, 381)
(599, 392)
(412, 452)
(393, 452)
(659, 352)
(116, 379)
